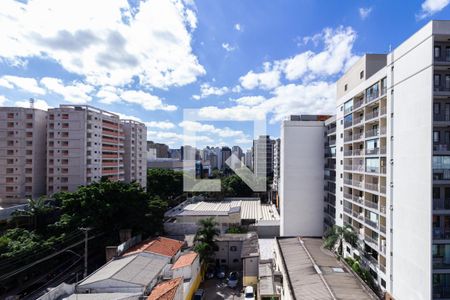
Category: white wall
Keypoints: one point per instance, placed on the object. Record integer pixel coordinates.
(412, 169)
(301, 183)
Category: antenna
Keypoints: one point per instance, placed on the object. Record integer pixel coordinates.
(31, 102)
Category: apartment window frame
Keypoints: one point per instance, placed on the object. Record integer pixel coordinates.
(436, 108)
(437, 51)
(436, 136)
(437, 80)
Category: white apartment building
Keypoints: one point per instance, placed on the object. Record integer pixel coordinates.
(135, 160)
(263, 156)
(85, 144)
(22, 154)
(302, 176)
(392, 166)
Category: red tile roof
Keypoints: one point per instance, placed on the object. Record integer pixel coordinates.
(160, 245)
(165, 290)
(185, 260)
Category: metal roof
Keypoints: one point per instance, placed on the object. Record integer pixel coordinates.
(250, 208)
(138, 269)
(104, 296)
(311, 275)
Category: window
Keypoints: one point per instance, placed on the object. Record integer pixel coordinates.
(361, 75)
(436, 136)
(233, 248)
(447, 82)
(236, 260)
(436, 108)
(437, 80)
(436, 192)
(345, 87)
(437, 51)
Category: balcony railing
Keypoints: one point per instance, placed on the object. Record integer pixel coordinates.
(348, 109)
(441, 203)
(383, 228)
(372, 115)
(347, 181)
(347, 124)
(357, 183)
(358, 168)
(371, 204)
(371, 240)
(441, 118)
(440, 147)
(441, 233)
(348, 167)
(357, 104)
(358, 215)
(357, 136)
(383, 209)
(371, 97)
(372, 186)
(383, 111)
(348, 138)
(357, 152)
(357, 199)
(358, 120)
(373, 151)
(348, 153)
(347, 196)
(383, 189)
(371, 223)
(372, 133)
(348, 210)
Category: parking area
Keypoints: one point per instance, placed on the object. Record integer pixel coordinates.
(218, 289)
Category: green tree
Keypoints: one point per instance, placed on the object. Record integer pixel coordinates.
(204, 239)
(233, 186)
(106, 206)
(156, 209)
(36, 215)
(167, 184)
(336, 235)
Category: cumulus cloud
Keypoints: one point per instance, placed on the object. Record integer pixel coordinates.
(238, 27)
(364, 12)
(268, 79)
(76, 92)
(430, 7)
(225, 132)
(146, 100)
(3, 100)
(110, 46)
(38, 103)
(250, 100)
(207, 90)
(171, 138)
(149, 124)
(24, 83)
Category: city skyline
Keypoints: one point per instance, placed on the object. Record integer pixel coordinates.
(232, 65)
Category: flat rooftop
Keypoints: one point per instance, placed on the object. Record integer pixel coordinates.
(314, 273)
(250, 209)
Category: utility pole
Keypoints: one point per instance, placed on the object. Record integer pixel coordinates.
(85, 230)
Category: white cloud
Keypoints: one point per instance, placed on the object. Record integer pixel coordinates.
(364, 12)
(146, 100)
(107, 46)
(430, 7)
(225, 132)
(228, 47)
(238, 27)
(250, 100)
(207, 90)
(25, 83)
(108, 94)
(170, 138)
(160, 124)
(38, 103)
(268, 79)
(76, 92)
(338, 46)
(3, 100)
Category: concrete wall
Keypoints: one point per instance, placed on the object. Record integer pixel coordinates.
(412, 168)
(250, 271)
(225, 256)
(301, 178)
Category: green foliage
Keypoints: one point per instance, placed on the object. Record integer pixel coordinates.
(155, 216)
(337, 234)
(350, 261)
(21, 241)
(233, 186)
(357, 268)
(204, 239)
(167, 184)
(236, 229)
(106, 206)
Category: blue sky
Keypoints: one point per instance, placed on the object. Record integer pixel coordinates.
(231, 59)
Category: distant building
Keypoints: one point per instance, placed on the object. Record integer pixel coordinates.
(162, 150)
(23, 137)
(263, 156)
(135, 159)
(249, 159)
(276, 164)
(226, 153)
(175, 153)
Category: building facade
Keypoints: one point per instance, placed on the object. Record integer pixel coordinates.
(135, 159)
(22, 154)
(330, 173)
(263, 156)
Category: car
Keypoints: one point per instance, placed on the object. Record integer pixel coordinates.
(221, 272)
(199, 294)
(249, 293)
(233, 279)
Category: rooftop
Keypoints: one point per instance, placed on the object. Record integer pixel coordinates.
(160, 245)
(165, 290)
(315, 273)
(250, 208)
(250, 246)
(103, 296)
(185, 260)
(136, 269)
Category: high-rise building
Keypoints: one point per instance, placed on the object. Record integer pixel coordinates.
(225, 154)
(393, 164)
(249, 159)
(276, 164)
(22, 154)
(330, 173)
(263, 156)
(162, 150)
(135, 158)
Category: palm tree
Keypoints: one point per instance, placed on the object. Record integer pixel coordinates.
(204, 239)
(336, 235)
(35, 210)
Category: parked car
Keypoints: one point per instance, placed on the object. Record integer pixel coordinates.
(221, 272)
(199, 294)
(249, 293)
(233, 279)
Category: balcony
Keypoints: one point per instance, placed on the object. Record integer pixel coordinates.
(371, 186)
(358, 135)
(371, 223)
(358, 215)
(372, 133)
(371, 204)
(371, 241)
(348, 153)
(358, 168)
(348, 167)
(372, 115)
(348, 138)
(347, 196)
(373, 151)
(357, 120)
(357, 199)
(440, 147)
(441, 204)
(347, 124)
(357, 183)
(441, 117)
(383, 228)
(358, 104)
(371, 97)
(347, 181)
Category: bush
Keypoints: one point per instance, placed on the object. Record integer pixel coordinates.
(349, 261)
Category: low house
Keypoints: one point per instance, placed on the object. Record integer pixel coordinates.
(250, 259)
(269, 285)
(161, 245)
(133, 273)
(168, 290)
(188, 267)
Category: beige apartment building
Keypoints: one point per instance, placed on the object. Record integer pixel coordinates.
(22, 154)
(135, 158)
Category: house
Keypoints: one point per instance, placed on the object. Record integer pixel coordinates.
(133, 273)
(250, 259)
(168, 290)
(188, 267)
(161, 246)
